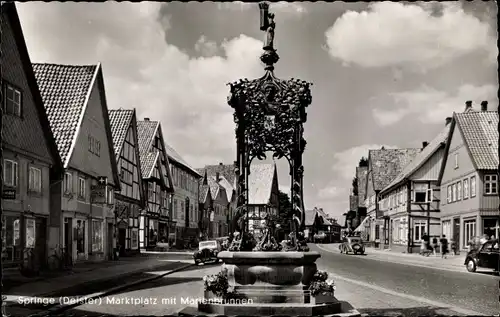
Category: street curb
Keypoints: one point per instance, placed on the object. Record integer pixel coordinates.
(60, 308)
(168, 252)
(450, 269)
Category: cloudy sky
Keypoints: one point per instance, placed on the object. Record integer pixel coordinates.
(384, 73)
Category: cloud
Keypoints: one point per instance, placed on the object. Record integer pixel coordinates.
(188, 95)
(331, 192)
(430, 106)
(336, 192)
(206, 47)
(292, 8)
(411, 36)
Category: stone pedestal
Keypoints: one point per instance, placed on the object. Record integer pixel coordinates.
(269, 283)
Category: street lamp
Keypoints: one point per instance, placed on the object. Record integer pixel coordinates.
(269, 114)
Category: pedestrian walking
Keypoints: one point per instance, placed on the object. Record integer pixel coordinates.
(444, 247)
(435, 245)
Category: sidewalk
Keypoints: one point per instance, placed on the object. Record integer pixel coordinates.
(85, 274)
(452, 262)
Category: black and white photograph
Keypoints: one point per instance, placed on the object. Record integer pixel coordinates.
(250, 158)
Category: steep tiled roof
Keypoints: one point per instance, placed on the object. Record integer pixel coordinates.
(227, 186)
(148, 162)
(260, 183)
(120, 121)
(323, 215)
(421, 157)
(175, 157)
(214, 186)
(225, 170)
(480, 133)
(386, 164)
(65, 90)
(28, 134)
(204, 189)
(146, 131)
(362, 175)
(310, 216)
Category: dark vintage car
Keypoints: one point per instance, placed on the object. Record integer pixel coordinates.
(484, 256)
(207, 251)
(352, 244)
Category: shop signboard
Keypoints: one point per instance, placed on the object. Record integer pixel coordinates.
(9, 194)
(99, 192)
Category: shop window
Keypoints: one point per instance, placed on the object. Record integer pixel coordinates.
(419, 228)
(491, 227)
(11, 238)
(97, 232)
(80, 236)
(469, 231)
(10, 173)
(135, 239)
(30, 233)
(446, 228)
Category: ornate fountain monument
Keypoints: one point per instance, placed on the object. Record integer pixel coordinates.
(269, 278)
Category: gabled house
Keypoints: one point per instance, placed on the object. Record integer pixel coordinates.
(228, 181)
(219, 226)
(31, 161)
(205, 209)
(75, 100)
(315, 221)
(469, 178)
(156, 223)
(383, 167)
(263, 195)
(185, 199)
(410, 203)
(131, 199)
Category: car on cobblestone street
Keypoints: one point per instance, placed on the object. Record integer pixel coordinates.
(486, 256)
(207, 252)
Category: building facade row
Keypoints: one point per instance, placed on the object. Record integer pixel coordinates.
(449, 186)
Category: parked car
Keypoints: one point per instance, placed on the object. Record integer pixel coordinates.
(207, 252)
(485, 256)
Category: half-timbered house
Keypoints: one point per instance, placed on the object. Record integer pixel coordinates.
(131, 200)
(155, 223)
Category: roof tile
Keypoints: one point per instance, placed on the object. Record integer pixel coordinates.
(421, 157)
(146, 131)
(386, 164)
(120, 121)
(175, 157)
(64, 90)
(480, 132)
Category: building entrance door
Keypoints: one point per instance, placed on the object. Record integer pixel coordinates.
(111, 234)
(122, 237)
(456, 233)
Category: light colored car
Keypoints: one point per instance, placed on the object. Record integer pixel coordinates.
(207, 251)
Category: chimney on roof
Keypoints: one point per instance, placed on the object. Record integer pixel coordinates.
(424, 144)
(484, 105)
(468, 105)
(448, 120)
(217, 176)
(221, 164)
(146, 119)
